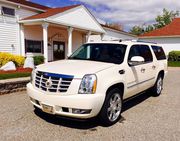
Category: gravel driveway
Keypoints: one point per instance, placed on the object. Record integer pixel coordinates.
(144, 118)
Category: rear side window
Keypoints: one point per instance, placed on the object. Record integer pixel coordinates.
(141, 50)
(146, 53)
(159, 52)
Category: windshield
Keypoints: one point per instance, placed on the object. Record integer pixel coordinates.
(109, 53)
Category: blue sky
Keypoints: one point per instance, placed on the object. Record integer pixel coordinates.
(125, 12)
(56, 3)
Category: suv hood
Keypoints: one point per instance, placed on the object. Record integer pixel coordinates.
(77, 68)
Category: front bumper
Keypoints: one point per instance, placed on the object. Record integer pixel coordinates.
(91, 102)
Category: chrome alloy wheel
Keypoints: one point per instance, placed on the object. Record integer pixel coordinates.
(159, 85)
(115, 106)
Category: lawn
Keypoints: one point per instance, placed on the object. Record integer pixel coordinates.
(20, 72)
(174, 64)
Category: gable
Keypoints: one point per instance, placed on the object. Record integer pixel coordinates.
(78, 17)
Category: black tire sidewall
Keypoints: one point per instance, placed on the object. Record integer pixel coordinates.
(103, 115)
(154, 89)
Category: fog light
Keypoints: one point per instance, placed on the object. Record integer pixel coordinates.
(34, 101)
(80, 111)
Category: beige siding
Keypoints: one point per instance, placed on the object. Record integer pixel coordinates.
(23, 13)
(9, 36)
(9, 29)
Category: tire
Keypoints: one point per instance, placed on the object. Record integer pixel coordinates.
(37, 109)
(158, 87)
(111, 110)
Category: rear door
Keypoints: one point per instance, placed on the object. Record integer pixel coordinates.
(149, 67)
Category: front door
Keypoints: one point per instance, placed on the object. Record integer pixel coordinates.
(58, 50)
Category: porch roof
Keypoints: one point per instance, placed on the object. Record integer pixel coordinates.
(50, 12)
(77, 16)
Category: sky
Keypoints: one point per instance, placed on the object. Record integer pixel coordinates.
(128, 13)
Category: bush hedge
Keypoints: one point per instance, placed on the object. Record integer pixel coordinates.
(174, 56)
(7, 57)
(38, 60)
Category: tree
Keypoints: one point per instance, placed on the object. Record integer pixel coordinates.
(149, 28)
(161, 21)
(137, 30)
(115, 26)
(165, 19)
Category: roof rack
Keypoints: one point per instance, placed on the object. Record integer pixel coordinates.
(118, 40)
(145, 42)
(132, 40)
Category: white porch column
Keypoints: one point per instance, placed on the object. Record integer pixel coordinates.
(70, 30)
(45, 41)
(88, 37)
(102, 36)
(22, 40)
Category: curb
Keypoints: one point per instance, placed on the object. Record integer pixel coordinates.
(13, 85)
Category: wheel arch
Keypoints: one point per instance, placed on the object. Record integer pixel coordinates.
(162, 73)
(119, 86)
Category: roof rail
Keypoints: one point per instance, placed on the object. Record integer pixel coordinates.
(132, 40)
(119, 40)
(145, 42)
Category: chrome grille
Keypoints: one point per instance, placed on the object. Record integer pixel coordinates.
(52, 82)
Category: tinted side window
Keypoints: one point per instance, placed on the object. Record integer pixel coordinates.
(159, 52)
(134, 51)
(141, 50)
(146, 53)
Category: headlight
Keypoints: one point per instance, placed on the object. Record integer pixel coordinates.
(32, 75)
(88, 84)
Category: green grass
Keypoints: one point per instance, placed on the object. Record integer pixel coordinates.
(14, 75)
(174, 64)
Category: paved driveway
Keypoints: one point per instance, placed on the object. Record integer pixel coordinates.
(144, 118)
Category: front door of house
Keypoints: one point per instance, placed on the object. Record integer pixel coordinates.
(58, 50)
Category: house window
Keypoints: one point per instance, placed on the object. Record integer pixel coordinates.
(8, 11)
(34, 46)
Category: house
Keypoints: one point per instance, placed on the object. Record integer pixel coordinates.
(28, 28)
(168, 36)
(113, 34)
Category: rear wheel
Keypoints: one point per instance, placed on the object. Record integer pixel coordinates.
(158, 87)
(111, 110)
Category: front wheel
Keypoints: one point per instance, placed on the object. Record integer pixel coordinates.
(111, 110)
(158, 87)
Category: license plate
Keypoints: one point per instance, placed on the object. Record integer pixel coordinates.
(47, 108)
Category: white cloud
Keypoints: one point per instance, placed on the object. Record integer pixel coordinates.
(130, 12)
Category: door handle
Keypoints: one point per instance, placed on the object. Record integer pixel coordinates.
(143, 70)
(153, 67)
(122, 71)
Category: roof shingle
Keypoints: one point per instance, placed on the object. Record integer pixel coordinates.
(30, 4)
(173, 29)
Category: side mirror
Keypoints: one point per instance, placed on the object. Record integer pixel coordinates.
(136, 60)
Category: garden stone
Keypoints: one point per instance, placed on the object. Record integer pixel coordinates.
(8, 66)
(29, 63)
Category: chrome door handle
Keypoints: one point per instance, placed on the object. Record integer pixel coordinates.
(153, 67)
(143, 70)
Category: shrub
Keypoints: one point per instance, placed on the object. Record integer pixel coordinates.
(174, 56)
(38, 60)
(7, 57)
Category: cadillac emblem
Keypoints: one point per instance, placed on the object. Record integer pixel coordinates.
(48, 83)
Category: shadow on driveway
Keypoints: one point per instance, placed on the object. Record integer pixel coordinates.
(90, 124)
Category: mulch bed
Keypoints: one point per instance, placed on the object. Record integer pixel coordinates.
(18, 70)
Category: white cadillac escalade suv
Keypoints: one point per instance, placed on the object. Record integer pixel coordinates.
(96, 79)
